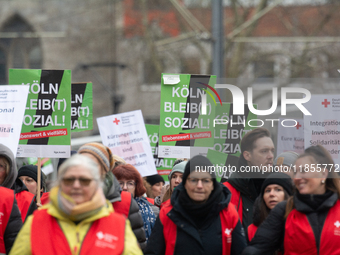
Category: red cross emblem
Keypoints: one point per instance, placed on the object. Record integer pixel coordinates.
(116, 121)
(298, 125)
(325, 103)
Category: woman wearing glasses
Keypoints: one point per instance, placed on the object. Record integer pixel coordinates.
(78, 219)
(308, 222)
(199, 218)
(130, 180)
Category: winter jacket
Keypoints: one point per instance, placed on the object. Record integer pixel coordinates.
(13, 173)
(75, 234)
(10, 220)
(305, 231)
(136, 221)
(244, 191)
(185, 235)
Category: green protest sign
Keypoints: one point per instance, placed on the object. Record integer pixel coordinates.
(184, 131)
(163, 165)
(81, 107)
(46, 125)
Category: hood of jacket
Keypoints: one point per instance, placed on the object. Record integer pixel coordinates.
(112, 188)
(13, 173)
(19, 186)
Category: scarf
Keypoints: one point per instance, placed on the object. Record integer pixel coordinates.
(69, 209)
(148, 216)
(314, 201)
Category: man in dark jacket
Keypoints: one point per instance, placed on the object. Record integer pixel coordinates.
(257, 154)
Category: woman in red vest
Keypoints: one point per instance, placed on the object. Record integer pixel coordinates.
(308, 222)
(276, 188)
(199, 219)
(78, 219)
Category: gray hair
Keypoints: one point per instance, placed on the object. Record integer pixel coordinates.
(79, 160)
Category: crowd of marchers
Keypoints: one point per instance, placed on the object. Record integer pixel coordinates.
(102, 205)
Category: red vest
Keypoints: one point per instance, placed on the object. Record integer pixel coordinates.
(236, 198)
(299, 237)
(44, 199)
(251, 231)
(151, 200)
(105, 236)
(24, 200)
(229, 219)
(124, 205)
(6, 205)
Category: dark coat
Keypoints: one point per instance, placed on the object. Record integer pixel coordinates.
(189, 239)
(270, 235)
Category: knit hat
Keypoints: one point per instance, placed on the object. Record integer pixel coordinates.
(287, 158)
(153, 179)
(281, 179)
(117, 158)
(198, 162)
(31, 171)
(178, 168)
(101, 152)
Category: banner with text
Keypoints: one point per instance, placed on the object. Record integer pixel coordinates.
(81, 107)
(46, 125)
(184, 131)
(163, 165)
(125, 135)
(290, 138)
(323, 126)
(12, 108)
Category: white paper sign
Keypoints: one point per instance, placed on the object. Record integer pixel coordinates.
(290, 138)
(126, 136)
(12, 108)
(323, 126)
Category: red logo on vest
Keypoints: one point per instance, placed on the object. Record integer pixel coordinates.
(106, 240)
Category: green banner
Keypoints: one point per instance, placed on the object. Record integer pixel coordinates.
(163, 165)
(184, 131)
(47, 119)
(81, 107)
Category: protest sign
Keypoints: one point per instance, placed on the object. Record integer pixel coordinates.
(163, 165)
(46, 124)
(12, 108)
(125, 135)
(81, 107)
(290, 138)
(184, 131)
(322, 127)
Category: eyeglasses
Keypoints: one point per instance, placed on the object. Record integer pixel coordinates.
(83, 181)
(205, 182)
(129, 184)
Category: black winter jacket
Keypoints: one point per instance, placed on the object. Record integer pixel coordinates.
(190, 240)
(270, 235)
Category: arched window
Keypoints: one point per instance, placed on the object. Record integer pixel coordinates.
(17, 51)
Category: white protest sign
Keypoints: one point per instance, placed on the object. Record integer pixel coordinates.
(290, 138)
(126, 136)
(12, 108)
(322, 127)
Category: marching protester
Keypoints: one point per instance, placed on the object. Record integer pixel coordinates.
(130, 180)
(78, 218)
(257, 151)
(275, 188)
(200, 218)
(308, 222)
(153, 184)
(122, 201)
(286, 162)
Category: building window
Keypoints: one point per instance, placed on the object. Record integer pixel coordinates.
(18, 51)
(264, 69)
(301, 68)
(151, 75)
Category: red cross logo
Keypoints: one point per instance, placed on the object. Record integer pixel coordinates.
(325, 103)
(116, 121)
(298, 125)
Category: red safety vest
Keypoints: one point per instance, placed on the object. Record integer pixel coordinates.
(251, 231)
(151, 200)
(299, 237)
(229, 219)
(236, 199)
(6, 205)
(45, 198)
(124, 205)
(105, 236)
(24, 200)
